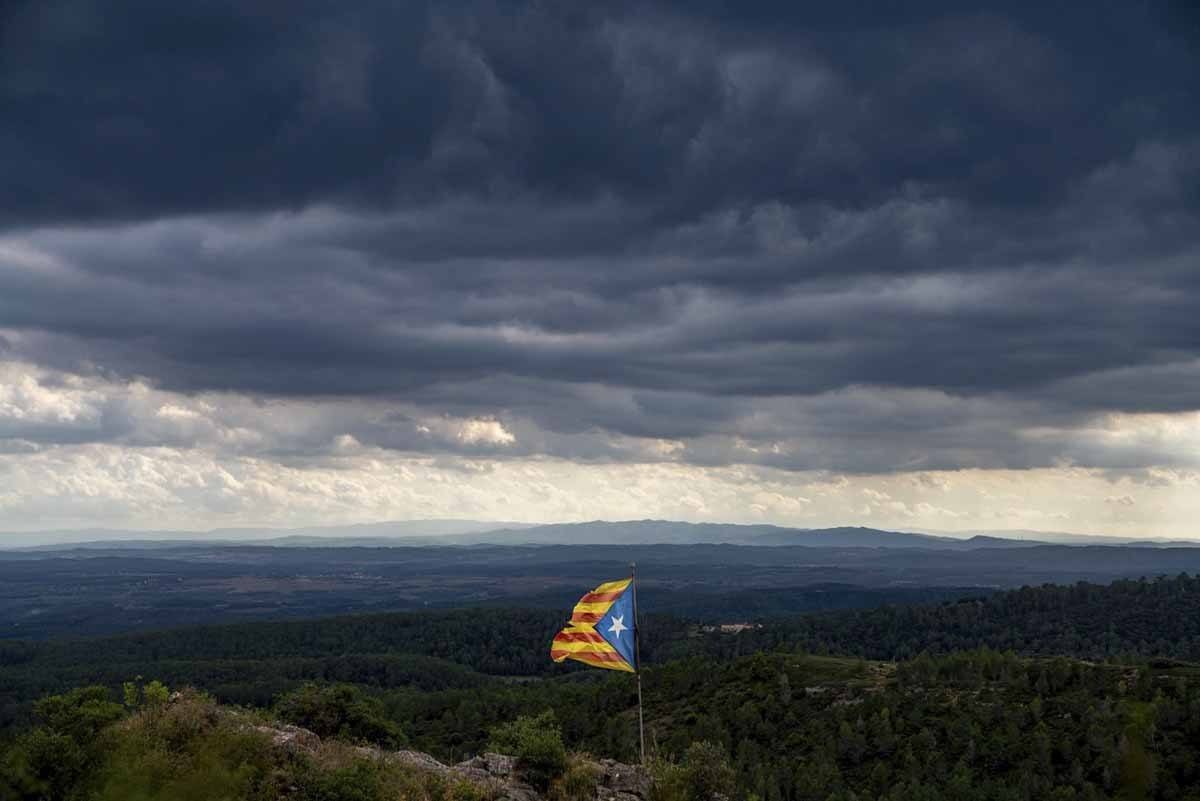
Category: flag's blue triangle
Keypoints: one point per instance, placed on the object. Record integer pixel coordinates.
(617, 626)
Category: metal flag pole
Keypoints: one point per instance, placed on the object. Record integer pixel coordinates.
(637, 659)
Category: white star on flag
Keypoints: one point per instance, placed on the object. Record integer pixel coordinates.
(618, 625)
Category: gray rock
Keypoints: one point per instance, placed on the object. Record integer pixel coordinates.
(418, 761)
(516, 791)
(605, 794)
(620, 779)
(615, 781)
(495, 765)
(291, 738)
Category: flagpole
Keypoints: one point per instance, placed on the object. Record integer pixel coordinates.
(637, 658)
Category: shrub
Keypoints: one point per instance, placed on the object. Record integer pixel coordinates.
(705, 774)
(41, 765)
(463, 790)
(342, 711)
(537, 744)
(188, 749)
(156, 694)
(177, 724)
(358, 781)
(578, 782)
(79, 714)
(54, 759)
(184, 751)
(667, 781)
(151, 696)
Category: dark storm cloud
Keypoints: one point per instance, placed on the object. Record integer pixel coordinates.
(702, 222)
(158, 108)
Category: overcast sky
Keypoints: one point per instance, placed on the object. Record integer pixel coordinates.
(296, 262)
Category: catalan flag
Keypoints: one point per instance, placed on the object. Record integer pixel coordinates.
(602, 629)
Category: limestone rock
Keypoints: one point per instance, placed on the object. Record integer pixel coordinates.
(291, 738)
(494, 765)
(419, 761)
(620, 781)
(498, 773)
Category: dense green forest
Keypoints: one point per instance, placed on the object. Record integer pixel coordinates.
(253, 662)
(1078, 692)
(1125, 620)
(973, 725)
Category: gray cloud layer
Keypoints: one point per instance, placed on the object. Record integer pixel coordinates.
(949, 237)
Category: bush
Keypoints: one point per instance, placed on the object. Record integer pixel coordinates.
(192, 715)
(667, 781)
(537, 744)
(336, 772)
(705, 774)
(578, 782)
(358, 781)
(183, 751)
(342, 711)
(79, 714)
(54, 760)
(188, 749)
(463, 790)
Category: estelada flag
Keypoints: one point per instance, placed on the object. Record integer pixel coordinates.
(602, 629)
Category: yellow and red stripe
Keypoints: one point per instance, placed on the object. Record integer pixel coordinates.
(580, 640)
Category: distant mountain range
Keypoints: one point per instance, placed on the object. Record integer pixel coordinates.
(668, 532)
(630, 532)
(641, 532)
(365, 533)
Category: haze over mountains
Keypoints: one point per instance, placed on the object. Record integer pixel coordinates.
(598, 532)
(390, 530)
(102, 581)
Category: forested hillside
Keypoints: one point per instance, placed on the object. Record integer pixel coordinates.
(1126, 619)
(970, 726)
(252, 663)
(1080, 692)
(973, 725)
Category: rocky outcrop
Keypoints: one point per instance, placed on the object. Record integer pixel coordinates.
(497, 773)
(620, 782)
(291, 738)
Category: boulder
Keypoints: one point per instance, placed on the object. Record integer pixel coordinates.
(497, 766)
(290, 738)
(620, 781)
